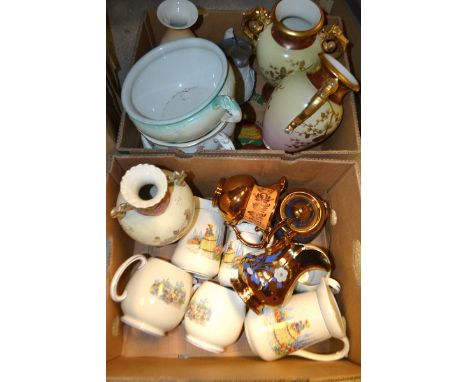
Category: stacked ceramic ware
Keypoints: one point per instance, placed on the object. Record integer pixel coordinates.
(244, 260)
(184, 93)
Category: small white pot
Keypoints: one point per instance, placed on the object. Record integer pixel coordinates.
(214, 317)
(180, 91)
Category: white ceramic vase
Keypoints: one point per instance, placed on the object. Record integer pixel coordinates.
(154, 206)
(177, 16)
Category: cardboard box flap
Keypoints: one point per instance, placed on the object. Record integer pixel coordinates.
(230, 369)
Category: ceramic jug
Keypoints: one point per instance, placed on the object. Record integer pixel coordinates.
(306, 108)
(269, 279)
(154, 206)
(307, 319)
(240, 199)
(289, 38)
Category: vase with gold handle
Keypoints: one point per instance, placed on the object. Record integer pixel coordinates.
(306, 108)
(289, 38)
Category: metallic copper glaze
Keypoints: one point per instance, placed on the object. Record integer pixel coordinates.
(269, 279)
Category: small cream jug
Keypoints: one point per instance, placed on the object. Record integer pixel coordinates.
(289, 38)
(154, 206)
(306, 108)
(307, 319)
(156, 297)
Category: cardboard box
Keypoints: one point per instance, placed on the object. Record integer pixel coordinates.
(135, 355)
(344, 143)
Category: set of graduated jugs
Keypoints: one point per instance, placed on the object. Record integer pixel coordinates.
(264, 258)
(293, 50)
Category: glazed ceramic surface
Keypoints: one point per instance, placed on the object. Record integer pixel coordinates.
(307, 319)
(276, 62)
(214, 317)
(180, 91)
(310, 281)
(178, 16)
(290, 37)
(268, 279)
(156, 297)
(291, 102)
(199, 251)
(173, 205)
(217, 139)
(234, 252)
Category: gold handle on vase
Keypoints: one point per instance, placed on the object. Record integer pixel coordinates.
(254, 21)
(120, 211)
(329, 87)
(332, 36)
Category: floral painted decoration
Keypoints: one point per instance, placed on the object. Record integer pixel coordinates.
(199, 311)
(170, 294)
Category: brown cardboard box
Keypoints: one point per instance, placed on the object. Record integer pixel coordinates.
(134, 355)
(345, 141)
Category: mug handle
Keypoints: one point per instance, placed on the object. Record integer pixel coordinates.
(113, 286)
(224, 141)
(233, 111)
(325, 357)
(328, 87)
(334, 285)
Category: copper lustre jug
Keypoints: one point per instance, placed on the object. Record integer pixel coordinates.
(269, 279)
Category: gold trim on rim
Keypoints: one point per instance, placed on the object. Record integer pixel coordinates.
(297, 34)
(319, 208)
(324, 60)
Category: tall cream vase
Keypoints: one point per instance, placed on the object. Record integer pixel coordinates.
(290, 37)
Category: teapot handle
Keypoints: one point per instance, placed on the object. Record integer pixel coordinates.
(325, 357)
(332, 36)
(328, 87)
(113, 286)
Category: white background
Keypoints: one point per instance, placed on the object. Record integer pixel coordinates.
(414, 190)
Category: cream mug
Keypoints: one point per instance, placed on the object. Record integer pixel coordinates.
(307, 319)
(234, 251)
(156, 296)
(310, 281)
(214, 317)
(199, 252)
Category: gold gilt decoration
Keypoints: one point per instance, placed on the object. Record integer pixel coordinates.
(332, 37)
(254, 21)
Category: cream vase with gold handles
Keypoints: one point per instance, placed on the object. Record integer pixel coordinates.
(306, 108)
(307, 319)
(290, 37)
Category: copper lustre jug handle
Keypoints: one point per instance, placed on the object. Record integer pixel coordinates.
(328, 87)
(254, 21)
(332, 37)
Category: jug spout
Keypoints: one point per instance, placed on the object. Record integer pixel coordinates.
(269, 279)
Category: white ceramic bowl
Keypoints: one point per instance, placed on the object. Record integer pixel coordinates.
(180, 91)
